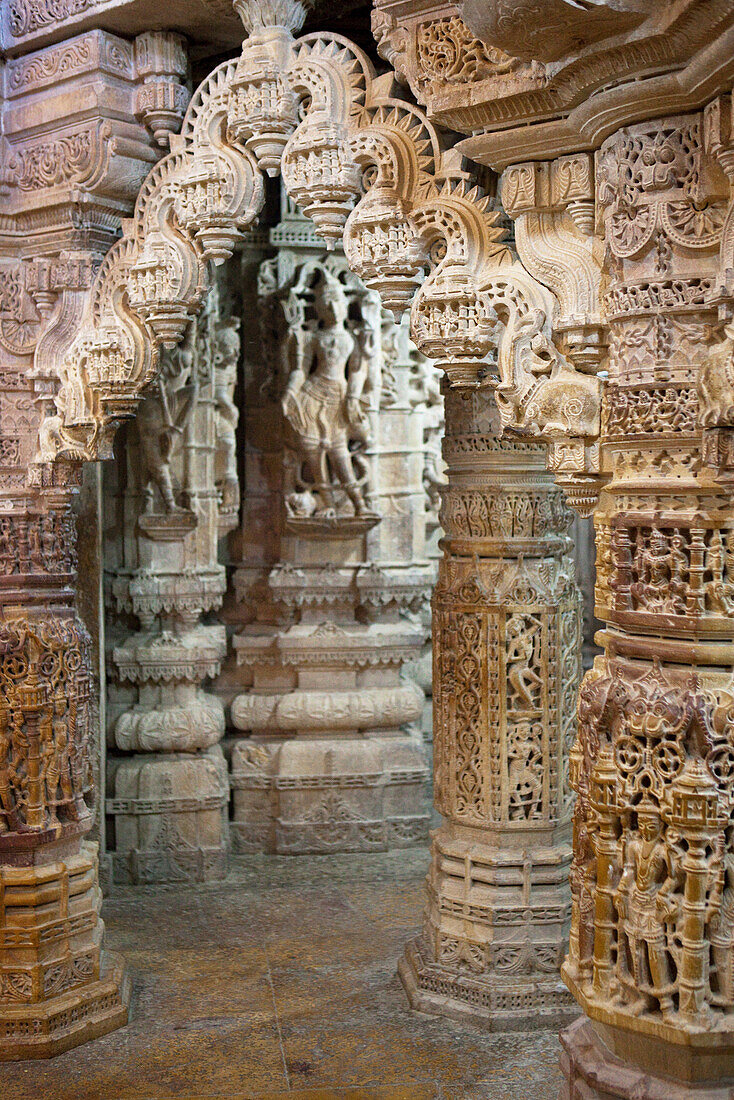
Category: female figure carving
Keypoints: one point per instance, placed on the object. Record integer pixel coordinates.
(323, 401)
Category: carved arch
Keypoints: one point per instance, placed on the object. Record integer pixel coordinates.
(365, 166)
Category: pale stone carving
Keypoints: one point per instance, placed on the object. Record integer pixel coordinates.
(650, 768)
(169, 807)
(577, 71)
(324, 399)
(368, 168)
(506, 671)
(328, 765)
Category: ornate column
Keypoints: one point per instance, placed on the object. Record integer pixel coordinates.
(506, 628)
(651, 938)
(180, 494)
(75, 148)
(651, 960)
(336, 451)
(57, 988)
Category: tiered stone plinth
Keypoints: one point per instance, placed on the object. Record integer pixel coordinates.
(57, 987)
(171, 817)
(493, 936)
(506, 629)
(328, 766)
(170, 799)
(647, 1066)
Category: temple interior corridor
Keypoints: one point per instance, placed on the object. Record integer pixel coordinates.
(367, 549)
(282, 982)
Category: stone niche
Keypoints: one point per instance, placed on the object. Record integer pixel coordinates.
(334, 575)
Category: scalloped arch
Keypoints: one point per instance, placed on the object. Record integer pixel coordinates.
(312, 109)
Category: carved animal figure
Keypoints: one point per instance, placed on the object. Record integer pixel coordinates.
(548, 398)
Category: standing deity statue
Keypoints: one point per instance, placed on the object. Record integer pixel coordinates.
(646, 900)
(324, 400)
(226, 413)
(161, 418)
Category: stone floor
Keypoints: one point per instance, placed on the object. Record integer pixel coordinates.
(282, 982)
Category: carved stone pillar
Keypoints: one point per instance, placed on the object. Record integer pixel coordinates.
(426, 399)
(57, 988)
(333, 560)
(180, 494)
(75, 148)
(651, 955)
(506, 628)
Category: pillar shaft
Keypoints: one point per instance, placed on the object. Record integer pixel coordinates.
(180, 494)
(652, 887)
(506, 629)
(333, 565)
(56, 987)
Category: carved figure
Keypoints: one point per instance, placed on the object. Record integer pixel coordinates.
(324, 399)
(719, 593)
(51, 552)
(721, 924)
(35, 552)
(653, 565)
(226, 413)
(645, 900)
(161, 418)
(8, 556)
(524, 680)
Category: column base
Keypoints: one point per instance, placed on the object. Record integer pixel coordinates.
(76, 1016)
(592, 1072)
(495, 1003)
(325, 796)
(170, 814)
